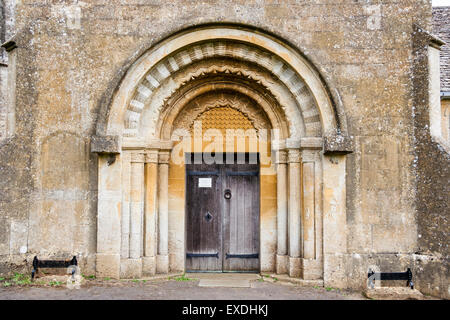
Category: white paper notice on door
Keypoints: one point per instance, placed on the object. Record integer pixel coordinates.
(204, 182)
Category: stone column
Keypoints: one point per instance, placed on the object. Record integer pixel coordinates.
(294, 160)
(334, 220)
(162, 259)
(282, 213)
(136, 205)
(308, 214)
(125, 218)
(312, 263)
(108, 217)
(132, 267)
(150, 213)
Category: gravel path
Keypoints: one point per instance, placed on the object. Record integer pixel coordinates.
(173, 289)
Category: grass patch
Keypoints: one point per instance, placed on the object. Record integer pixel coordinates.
(55, 283)
(181, 278)
(261, 279)
(91, 277)
(21, 279)
(107, 278)
(329, 288)
(138, 280)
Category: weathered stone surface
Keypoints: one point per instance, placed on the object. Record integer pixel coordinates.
(338, 144)
(108, 265)
(431, 170)
(393, 293)
(105, 144)
(381, 203)
(131, 268)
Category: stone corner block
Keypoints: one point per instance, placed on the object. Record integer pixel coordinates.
(311, 269)
(105, 144)
(294, 267)
(131, 268)
(338, 144)
(393, 293)
(282, 262)
(162, 264)
(107, 265)
(148, 266)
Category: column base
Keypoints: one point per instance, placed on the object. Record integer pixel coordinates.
(294, 267)
(311, 269)
(282, 264)
(148, 266)
(107, 265)
(162, 263)
(131, 268)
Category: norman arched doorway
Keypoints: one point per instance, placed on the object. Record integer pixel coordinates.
(181, 97)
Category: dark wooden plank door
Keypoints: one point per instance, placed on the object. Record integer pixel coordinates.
(222, 234)
(241, 218)
(204, 218)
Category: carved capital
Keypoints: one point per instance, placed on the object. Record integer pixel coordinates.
(164, 157)
(281, 156)
(151, 156)
(294, 156)
(137, 157)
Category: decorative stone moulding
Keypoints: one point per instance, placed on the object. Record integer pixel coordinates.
(214, 113)
(338, 144)
(154, 80)
(258, 105)
(106, 144)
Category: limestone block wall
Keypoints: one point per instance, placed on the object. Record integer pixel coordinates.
(71, 58)
(432, 174)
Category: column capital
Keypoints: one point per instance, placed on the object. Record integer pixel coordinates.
(151, 156)
(164, 156)
(294, 155)
(137, 157)
(281, 156)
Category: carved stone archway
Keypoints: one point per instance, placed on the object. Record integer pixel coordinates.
(267, 82)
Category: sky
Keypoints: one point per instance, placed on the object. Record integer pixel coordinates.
(438, 3)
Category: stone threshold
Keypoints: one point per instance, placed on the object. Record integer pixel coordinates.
(160, 276)
(282, 278)
(286, 279)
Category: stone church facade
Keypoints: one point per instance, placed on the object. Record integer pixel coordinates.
(104, 102)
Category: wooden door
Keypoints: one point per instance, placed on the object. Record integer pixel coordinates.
(204, 218)
(241, 218)
(222, 208)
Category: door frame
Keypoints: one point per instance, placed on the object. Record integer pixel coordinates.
(191, 154)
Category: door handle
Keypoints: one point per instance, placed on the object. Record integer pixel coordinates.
(227, 194)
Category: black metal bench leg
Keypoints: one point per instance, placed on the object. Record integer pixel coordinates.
(35, 267)
(410, 282)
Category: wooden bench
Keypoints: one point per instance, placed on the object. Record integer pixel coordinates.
(407, 275)
(37, 264)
